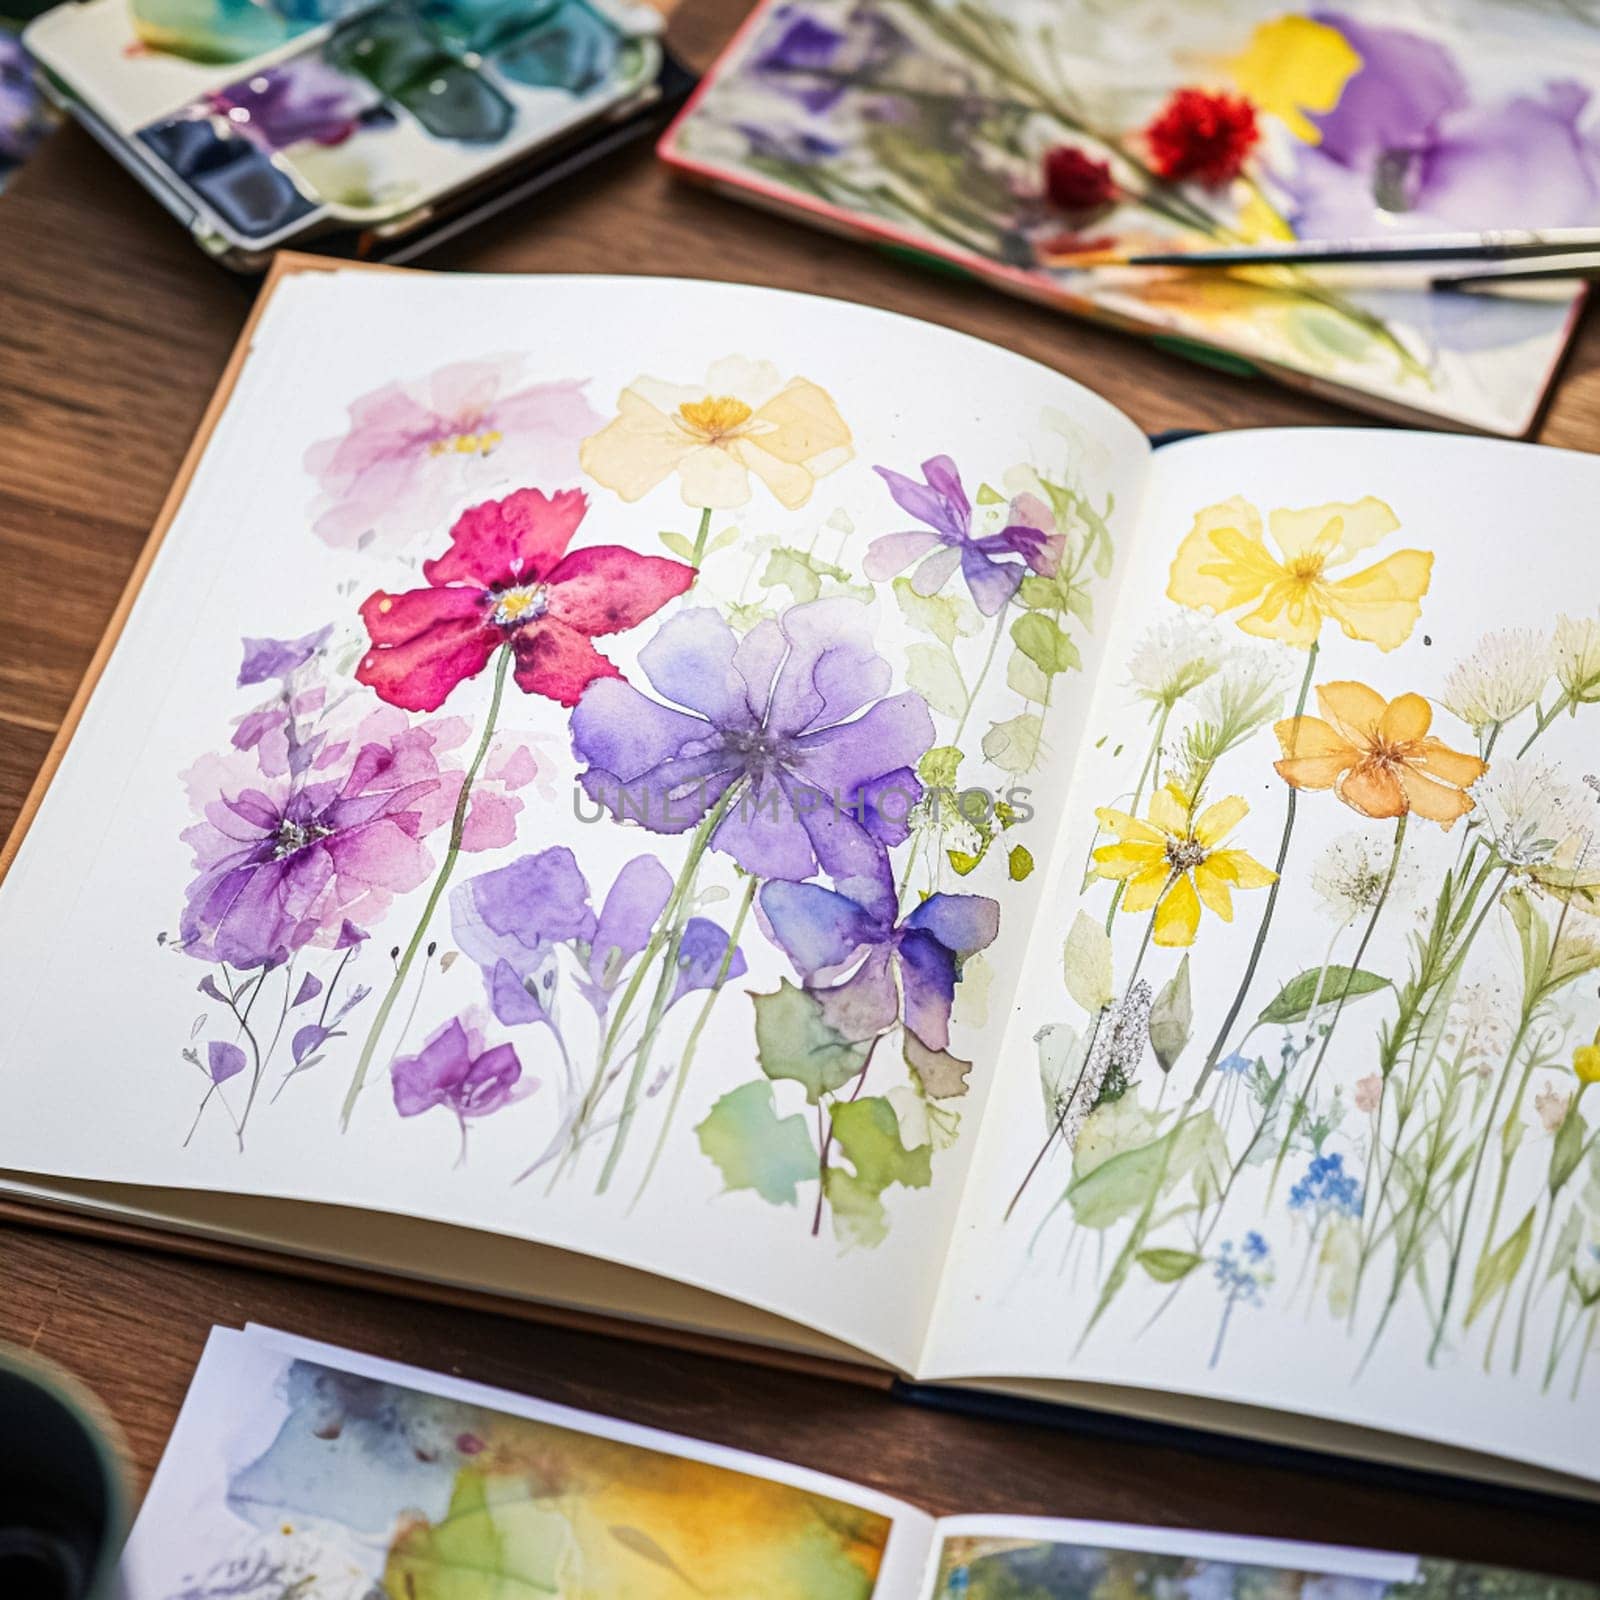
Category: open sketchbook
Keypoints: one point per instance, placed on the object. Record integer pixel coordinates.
(299, 1468)
(747, 813)
(1038, 143)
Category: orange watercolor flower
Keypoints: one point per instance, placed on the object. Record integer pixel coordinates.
(1377, 756)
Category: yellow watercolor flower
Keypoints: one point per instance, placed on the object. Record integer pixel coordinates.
(1292, 65)
(1226, 565)
(1173, 862)
(1377, 755)
(742, 419)
(1586, 1063)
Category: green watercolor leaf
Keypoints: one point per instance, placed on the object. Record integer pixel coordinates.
(681, 546)
(1013, 746)
(1026, 678)
(1127, 1184)
(1172, 1018)
(1567, 1151)
(807, 576)
(1497, 1270)
(756, 1149)
(1019, 863)
(1169, 1266)
(867, 1134)
(989, 496)
(1045, 643)
(939, 766)
(944, 616)
(1086, 964)
(794, 1041)
(1294, 1001)
(963, 861)
(1060, 1060)
(932, 671)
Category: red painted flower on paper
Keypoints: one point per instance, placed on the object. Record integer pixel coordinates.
(1076, 182)
(507, 579)
(1203, 135)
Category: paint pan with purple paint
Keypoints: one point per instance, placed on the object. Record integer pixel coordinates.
(296, 121)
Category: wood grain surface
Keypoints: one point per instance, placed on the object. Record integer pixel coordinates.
(113, 330)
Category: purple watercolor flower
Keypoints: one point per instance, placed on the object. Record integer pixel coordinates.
(223, 1061)
(267, 659)
(512, 921)
(284, 861)
(941, 503)
(416, 453)
(1407, 150)
(785, 732)
(300, 100)
(867, 968)
(815, 64)
(455, 1069)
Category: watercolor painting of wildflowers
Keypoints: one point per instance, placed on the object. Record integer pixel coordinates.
(766, 772)
(1391, 1143)
(1040, 143)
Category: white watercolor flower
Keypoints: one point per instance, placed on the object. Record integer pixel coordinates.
(1505, 674)
(1350, 874)
(1542, 827)
(1577, 657)
(1174, 658)
(1478, 1025)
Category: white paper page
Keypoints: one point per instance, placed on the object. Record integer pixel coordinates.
(1256, 1299)
(107, 936)
(296, 1464)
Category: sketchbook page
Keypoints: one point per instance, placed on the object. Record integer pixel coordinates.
(297, 1467)
(1322, 1141)
(1040, 1558)
(644, 985)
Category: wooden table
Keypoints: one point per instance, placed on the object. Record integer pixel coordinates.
(113, 330)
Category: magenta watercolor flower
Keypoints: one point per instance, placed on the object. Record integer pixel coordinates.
(454, 1068)
(1407, 147)
(507, 579)
(992, 564)
(785, 731)
(415, 452)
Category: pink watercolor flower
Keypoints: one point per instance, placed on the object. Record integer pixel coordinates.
(1369, 1093)
(414, 452)
(507, 579)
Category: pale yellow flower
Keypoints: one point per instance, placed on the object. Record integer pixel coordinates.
(742, 419)
(1174, 862)
(1226, 565)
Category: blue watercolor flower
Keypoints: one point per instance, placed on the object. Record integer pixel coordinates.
(1327, 1190)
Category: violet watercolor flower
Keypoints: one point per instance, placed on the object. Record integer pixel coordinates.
(457, 1070)
(1407, 147)
(266, 660)
(416, 452)
(513, 920)
(815, 64)
(986, 560)
(868, 968)
(781, 742)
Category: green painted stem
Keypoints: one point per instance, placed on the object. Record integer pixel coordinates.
(669, 933)
(700, 538)
(457, 825)
(1232, 1017)
(693, 1041)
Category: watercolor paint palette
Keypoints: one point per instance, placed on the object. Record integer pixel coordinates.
(292, 120)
